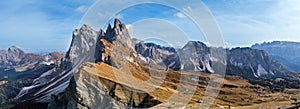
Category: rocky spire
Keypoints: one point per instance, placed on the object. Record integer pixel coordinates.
(117, 22)
(109, 29)
(101, 33)
(119, 35)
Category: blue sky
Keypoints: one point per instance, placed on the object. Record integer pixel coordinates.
(40, 25)
(47, 25)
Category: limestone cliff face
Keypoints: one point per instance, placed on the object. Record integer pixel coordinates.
(83, 45)
(253, 64)
(196, 56)
(287, 53)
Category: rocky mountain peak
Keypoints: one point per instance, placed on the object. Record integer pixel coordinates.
(85, 27)
(119, 35)
(197, 47)
(117, 22)
(83, 44)
(15, 49)
(11, 56)
(87, 42)
(109, 29)
(195, 44)
(101, 33)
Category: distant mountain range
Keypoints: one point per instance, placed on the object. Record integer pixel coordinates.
(19, 69)
(196, 56)
(287, 53)
(68, 81)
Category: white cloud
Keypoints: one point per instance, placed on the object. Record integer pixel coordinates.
(179, 15)
(81, 9)
(187, 9)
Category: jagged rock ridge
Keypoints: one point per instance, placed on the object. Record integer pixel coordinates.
(287, 53)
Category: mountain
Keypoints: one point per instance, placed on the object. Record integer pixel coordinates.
(108, 69)
(159, 55)
(56, 80)
(19, 69)
(116, 53)
(113, 49)
(251, 64)
(285, 52)
(16, 57)
(196, 56)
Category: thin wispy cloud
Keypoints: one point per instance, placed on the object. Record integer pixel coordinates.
(81, 9)
(179, 15)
